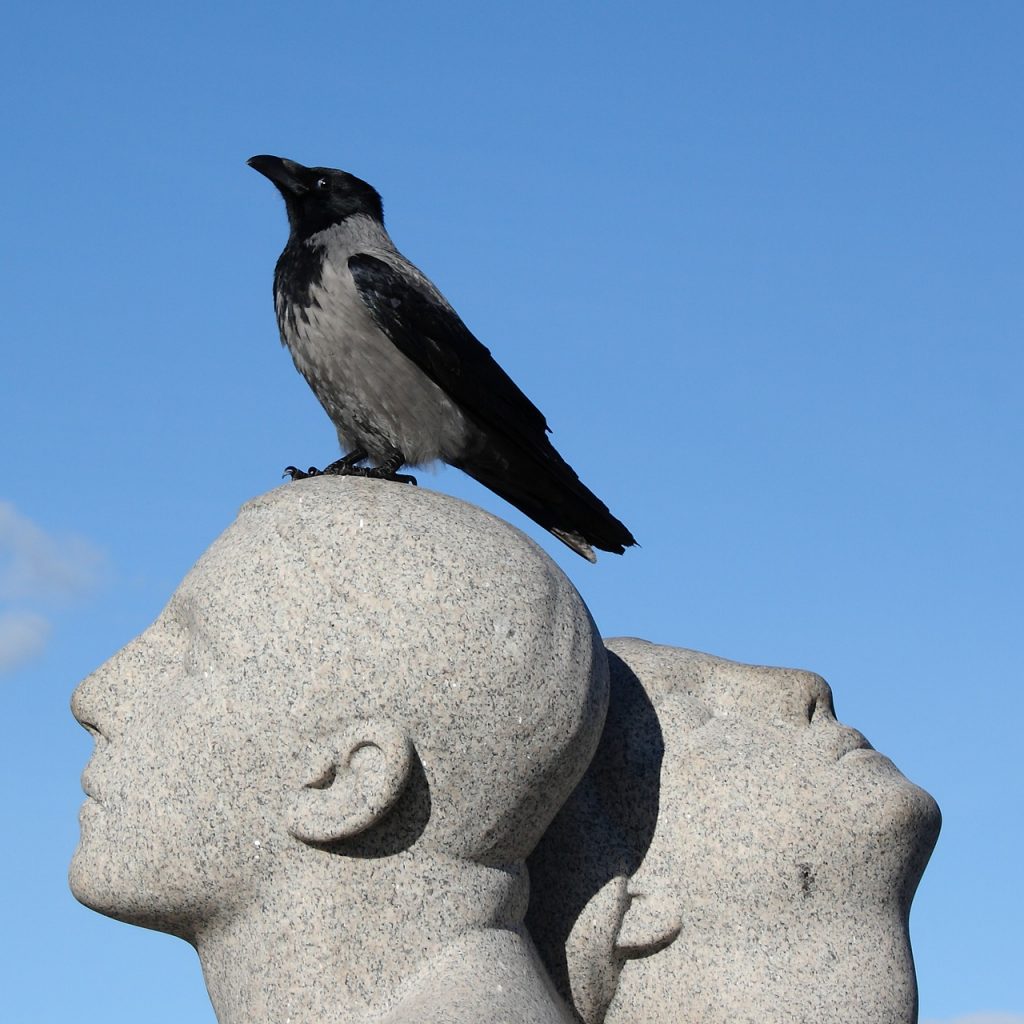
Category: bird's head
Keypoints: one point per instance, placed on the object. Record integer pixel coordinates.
(318, 197)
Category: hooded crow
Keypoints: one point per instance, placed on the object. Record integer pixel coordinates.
(402, 378)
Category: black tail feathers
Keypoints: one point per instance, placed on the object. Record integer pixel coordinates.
(545, 488)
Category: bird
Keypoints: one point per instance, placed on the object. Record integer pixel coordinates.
(401, 377)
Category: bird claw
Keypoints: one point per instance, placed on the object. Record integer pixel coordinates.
(375, 473)
(386, 473)
(297, 474)
(388, 469)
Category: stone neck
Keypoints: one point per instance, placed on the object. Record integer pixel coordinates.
(345, 940)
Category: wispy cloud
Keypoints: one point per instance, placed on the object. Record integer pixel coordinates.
(38, 565)
(22, 636)
(980, 1018)
(38, 570)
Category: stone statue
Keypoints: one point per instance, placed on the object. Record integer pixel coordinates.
(325, 763)
(747, 858)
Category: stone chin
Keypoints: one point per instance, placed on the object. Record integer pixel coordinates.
(105, 877)
(902, 819)
(93, 875)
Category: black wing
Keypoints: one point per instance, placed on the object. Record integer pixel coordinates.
(517, 461)
(429, 332)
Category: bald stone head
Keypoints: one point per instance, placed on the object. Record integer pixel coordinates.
(354, 669)
(752, 858)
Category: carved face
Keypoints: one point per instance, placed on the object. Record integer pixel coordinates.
(189, 776)
(328, 608)
(782, 866)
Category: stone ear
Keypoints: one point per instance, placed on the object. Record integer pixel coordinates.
(649, 924)
(352, 779)
(591, 956)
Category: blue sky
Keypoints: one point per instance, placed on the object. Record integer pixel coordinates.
(760, 265)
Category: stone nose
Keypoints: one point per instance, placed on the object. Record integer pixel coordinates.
(86, 705)
(810, 695)
(101, 696)
(789, 696)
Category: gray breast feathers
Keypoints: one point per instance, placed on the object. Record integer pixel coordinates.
(377, 398)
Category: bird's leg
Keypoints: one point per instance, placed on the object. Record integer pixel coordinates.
(345, 466)
(388, 469)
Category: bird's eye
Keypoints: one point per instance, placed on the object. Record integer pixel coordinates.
(323, 184)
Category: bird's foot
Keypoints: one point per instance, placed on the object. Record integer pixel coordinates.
(379, 473)
(388, 470)
(347, 466)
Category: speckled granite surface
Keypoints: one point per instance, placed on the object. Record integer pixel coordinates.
(733, 854)
(325, 762)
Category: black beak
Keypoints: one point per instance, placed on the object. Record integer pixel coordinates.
(287, 175)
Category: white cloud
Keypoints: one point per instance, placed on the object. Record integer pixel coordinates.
(981, 1018)
(38, 569)
(22, 636)
(37, 565)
